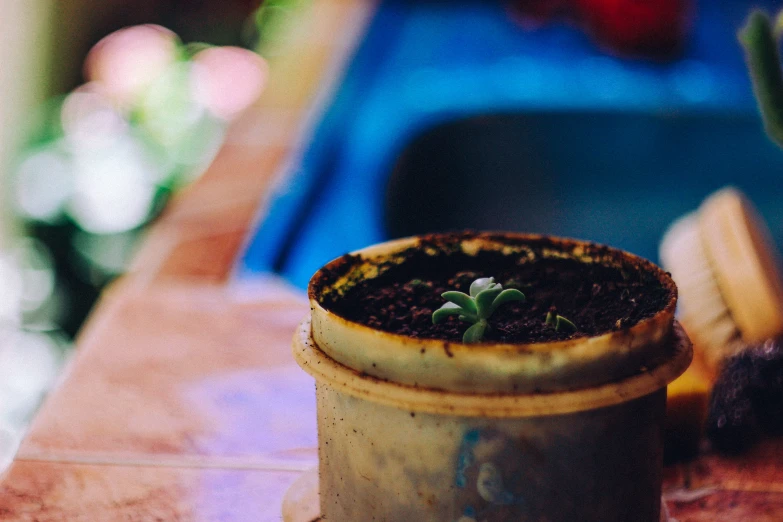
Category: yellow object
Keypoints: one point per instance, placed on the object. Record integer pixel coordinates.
(687, 400)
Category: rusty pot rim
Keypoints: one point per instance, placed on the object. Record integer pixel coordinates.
(343, 379)
(321, 279)
(483, 367)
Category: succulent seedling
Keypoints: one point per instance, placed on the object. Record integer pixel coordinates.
(485, 297)
(560, 323)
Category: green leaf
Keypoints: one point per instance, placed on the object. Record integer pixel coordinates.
(551, 318)
(475, 333)
(508, 295)
(461, 299)
(440, 315)
(273, 20)
(564, 325)
(480, 284)
(485, 298)
(763, 59)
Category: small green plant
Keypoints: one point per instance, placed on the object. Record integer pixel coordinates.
(485, 297)
(560, 323)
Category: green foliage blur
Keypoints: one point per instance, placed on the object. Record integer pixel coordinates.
(105, 159)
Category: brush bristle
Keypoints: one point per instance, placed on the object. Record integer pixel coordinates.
(702, 309)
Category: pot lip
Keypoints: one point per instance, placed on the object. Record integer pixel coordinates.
(318, 280)
(344, 379)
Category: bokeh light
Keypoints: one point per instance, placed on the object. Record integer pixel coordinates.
(27, 278)
(43, 184)
(30, 362)
(36, 268)
(89, 120)
(228, 79)
(32, 351)
(128, 61)
(12, 284)
(151, 117)
(114, 188)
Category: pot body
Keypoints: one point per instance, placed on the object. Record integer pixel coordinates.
(387, 464)
(422, 430)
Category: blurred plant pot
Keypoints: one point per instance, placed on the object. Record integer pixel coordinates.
(424, 429)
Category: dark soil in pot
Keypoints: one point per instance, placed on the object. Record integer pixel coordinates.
(598, 297)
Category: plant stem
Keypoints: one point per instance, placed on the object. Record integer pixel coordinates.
(763, 59)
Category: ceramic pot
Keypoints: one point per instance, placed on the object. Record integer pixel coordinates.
(428, 430)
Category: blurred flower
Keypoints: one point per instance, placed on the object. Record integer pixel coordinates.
(128, 61)
(36, 268)
(29, 361)
(114, 187)
(43, 184)
(150, 119)
(228, 79)
(27, 279)
(11, 300)
(175, 123)
(30, 356)
(653, 29)
(89, 119)
(29, 364)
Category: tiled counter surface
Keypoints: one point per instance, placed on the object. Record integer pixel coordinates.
(183, 402)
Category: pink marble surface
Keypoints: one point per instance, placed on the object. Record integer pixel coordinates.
(233, 397)
(55, 492)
